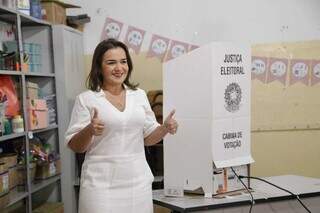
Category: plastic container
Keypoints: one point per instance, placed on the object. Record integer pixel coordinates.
(7, 126)
(17, 124)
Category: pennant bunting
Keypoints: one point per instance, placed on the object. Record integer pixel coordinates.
(315, 72)
(176, 49)
(259, 68)
(277, 70)
(192, 47)
(158, 47)
(299, 71)
(134, 38)
(111, 29)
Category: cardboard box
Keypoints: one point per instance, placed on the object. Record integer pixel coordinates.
(32, 90)
(214, 118)
(49, 208)
(56, 11)
(37, 114)
(46, 170)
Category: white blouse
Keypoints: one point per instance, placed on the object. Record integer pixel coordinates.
(124, 132)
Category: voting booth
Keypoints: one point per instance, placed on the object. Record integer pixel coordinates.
(210, 89)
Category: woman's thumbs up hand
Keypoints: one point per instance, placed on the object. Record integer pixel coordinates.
(170, 123)
(96, 125)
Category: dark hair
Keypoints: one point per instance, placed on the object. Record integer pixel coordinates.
(95, 79)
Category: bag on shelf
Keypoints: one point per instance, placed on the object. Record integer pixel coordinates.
(7, 89)
(32, 90)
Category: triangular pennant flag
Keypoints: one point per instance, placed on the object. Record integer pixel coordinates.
(299, 71)
(277, 70)
(176, 49)
(111, 29)
(158, 47)
(259, 68)
(315, 72)
(134, 38)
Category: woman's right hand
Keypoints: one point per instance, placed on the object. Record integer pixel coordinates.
(96, 126)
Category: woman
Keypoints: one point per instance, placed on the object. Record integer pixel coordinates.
(112, 122)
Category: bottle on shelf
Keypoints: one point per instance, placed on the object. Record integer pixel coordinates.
(17, 124)
(6, 126)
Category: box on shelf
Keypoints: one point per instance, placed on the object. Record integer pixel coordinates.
(31, 57)
(10, 161)
(11, 4)
(4, 185)
(37, 114)
(23, 6)
(21, 173)
(32, 90)
(78, 21)
(4, 200)
(56, 11)
(13, 180)
(4, 179)
(48, 169)
(35, 9)
(49, 208)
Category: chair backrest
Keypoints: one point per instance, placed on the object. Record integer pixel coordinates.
(155, 98)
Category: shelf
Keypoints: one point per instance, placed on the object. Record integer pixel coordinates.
(10, 72)
(27, 20)
(51, 127)
(8, 15)
(30, 74)
(12, 136)
(15, 196)
(30, 30)
(40, 184)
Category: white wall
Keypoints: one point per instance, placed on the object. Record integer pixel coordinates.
(203, 21)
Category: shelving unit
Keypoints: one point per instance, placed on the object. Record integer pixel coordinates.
(32, 30)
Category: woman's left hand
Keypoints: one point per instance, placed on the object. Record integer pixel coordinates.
(170, 124)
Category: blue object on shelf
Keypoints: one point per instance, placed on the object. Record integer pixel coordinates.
(35, 9)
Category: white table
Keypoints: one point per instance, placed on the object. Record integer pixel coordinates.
(267, 198)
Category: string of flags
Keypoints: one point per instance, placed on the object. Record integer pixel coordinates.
(161, 47)
(287, 72)
(264, 69)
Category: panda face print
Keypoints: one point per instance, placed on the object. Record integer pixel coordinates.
(159, 46)
(299, 70)
(316, 70)
(258, 66)
(178, 50)
(112, 30)
(278, 68)
(135, 38)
